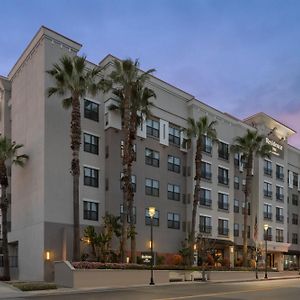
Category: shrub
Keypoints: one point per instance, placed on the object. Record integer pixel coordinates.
(176, 260)
(160, 260)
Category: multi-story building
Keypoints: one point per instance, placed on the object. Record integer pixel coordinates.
(163, 171)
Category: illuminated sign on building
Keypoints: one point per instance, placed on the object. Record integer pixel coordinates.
(277, 149)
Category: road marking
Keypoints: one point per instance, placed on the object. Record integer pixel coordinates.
(215, 294)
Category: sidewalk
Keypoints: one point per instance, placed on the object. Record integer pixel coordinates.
(9, 292)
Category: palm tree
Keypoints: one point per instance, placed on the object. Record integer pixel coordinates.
(128, 85)
(250, 145)
(8, 156)
(196, 130)
(74, 80)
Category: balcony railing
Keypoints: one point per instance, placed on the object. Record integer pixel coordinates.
(279, 175)
(279, 239)
(224, 155)
(223, 231)
(268, 215)
(268, 171)
(206, 175)
(205, 229)
(279, 197)
(223, 180)
(268, 193)
(205, 202)
(223, 205)
(207, 149)
(279, 218)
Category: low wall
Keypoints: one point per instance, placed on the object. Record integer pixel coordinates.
(66, 275)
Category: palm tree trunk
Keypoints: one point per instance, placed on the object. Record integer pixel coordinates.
(4, 209)
(247, 195)
(75, 170)
(198, 158)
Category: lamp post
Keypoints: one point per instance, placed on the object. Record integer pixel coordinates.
(266, 226)
(151, 211)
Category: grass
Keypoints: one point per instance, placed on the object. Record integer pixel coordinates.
(33, 286)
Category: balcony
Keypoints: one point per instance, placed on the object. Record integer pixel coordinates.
(279, 218)
(268, 194)
(223, 231)
(223, 180)
(223, 205)
(205, 229)
(279, 176)
(206, 175)
(205, 202)
(268, 171)
(267, 216)
(279, 197)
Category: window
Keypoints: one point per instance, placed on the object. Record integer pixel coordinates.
(91, 143)
(268, 234)
(267, 211)
(91, 177)
(173, 192)
(133, 181)
(128, 216)
(223, 151)
(91, 110)
(236, 229)
(294, 238)
(223, 227)
(295, 179)
(279, 193)
(268, 189)
(173, 221)
(279, 172)
(279, 214)
(236, 159)
(267, 167)
(152, 187)
(122, 150)
(236, 205)
(174, 136)
(248, 231)
(151, 157)
(90, 211)
(279, 235)
(295, 219)
(206, 144)
(205, 224)
(155, 218)
(205, 197)
(173, 164)
(295, 200)
(223, 201)
(236, 182)
(205, 170)
(223, 176)
(152, 128)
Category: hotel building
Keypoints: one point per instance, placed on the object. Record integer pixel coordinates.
(41, 213)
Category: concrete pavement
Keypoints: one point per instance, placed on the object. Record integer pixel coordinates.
(9, 292)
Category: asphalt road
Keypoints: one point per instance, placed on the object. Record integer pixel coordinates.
(288, 289)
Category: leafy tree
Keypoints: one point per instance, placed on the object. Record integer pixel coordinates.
(196, 130)
(73, 80)
(128, 84)
(250, 145)
(8, 156)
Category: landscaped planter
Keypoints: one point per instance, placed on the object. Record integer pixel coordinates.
(68, 276)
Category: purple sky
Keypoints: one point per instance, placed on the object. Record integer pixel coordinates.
(239, 56)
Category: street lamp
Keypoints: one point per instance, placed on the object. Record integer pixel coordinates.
(266, 226)
(151, 211)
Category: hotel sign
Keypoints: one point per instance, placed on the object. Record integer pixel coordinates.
(277, 149)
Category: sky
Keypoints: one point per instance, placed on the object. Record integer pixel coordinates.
(239, 56)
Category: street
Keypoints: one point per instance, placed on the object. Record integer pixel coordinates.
(262, 290)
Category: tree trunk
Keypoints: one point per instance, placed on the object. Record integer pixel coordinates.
(198, 158)
(75, 171)
(247, 197)
(4, 209)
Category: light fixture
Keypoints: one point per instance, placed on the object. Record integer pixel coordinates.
(47, 255)
(266, 226)
(151, 211)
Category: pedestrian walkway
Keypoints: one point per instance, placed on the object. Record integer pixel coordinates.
(9, 292)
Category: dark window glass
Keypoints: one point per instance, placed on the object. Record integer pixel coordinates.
(90, 211)
(205, 224)
(155, 218)
(91, 143)
(223, 151)
(151, 157)
(174, 136)
(173, 221)
(91, 177)
(173, 192)
(173, 164)
(91, 110)
(152, 128)
(152, 187)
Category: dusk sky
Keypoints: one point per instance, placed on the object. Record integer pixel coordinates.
(239, 56)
